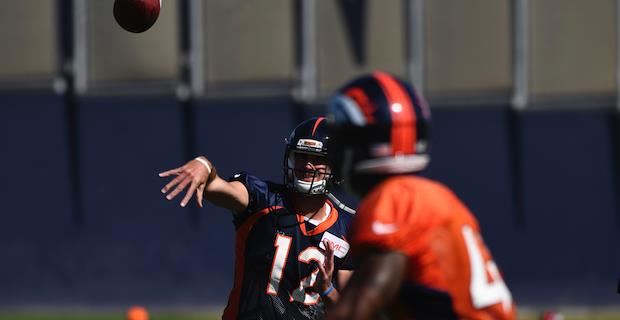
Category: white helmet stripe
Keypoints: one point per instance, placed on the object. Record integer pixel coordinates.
(349, 107)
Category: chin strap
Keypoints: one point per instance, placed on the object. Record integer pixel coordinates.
(339, 204)
(314, 187)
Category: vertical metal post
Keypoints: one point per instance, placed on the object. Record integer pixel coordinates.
(184, 90)
(197, 57)
(64, 86)
(521, 54)
(614, 135)
(307, 54)
(184, 49)
(615, 122)
(618, 56)
(80, 45)
(414, 33)
(519, 101)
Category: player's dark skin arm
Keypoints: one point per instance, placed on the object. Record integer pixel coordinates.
(373, 285)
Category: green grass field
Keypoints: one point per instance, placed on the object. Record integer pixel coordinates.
(206, 316)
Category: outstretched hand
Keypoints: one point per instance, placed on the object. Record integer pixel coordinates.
(195, 175)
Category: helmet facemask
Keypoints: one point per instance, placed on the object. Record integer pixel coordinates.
(307, 172)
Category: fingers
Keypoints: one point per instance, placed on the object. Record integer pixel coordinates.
(329, 256)
(171, 184)
(170, 172)
(329, 249)
(200, 194)
(321, 279)
(322, 272)
(193, 172)
(189, 194)
(179, 188)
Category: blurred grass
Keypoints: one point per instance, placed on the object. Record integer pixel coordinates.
(581, 315)
(102, 316)
(593, 315)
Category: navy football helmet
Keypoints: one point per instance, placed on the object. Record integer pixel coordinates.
(379, 127)
(308, 138)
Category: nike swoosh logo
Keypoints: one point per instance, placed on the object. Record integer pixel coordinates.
(383, 228)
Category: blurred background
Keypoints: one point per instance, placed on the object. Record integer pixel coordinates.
(525, 130)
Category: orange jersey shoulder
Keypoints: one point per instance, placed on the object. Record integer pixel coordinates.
(427, 222)
(401, 208)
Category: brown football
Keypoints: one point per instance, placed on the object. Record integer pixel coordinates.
(136, 15)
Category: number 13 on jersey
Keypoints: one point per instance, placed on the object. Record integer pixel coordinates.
(283, 245)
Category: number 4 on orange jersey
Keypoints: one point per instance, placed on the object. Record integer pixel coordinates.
(484, 293)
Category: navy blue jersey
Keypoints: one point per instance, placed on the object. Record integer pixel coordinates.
(277, 252)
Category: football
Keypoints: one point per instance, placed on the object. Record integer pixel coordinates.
(136, 15)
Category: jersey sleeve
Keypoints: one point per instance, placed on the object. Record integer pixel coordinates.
(385, 219)
(258, 194)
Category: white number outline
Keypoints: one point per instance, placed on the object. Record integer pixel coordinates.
(484, 293)
(307, 256)
(283, 245)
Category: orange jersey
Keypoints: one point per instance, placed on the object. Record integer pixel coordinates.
(447, 256)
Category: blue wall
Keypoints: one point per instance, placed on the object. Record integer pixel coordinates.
(135, 247)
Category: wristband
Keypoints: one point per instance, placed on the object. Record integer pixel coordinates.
(328, 291)
(210, 167)
(204, 162)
